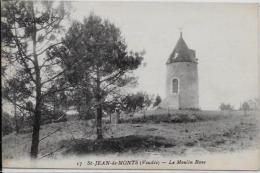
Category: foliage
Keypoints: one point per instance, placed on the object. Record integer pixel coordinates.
(226, 107)
(251, 104)
(245, 106)
(50, 116)
(96, 60)
(82, 100)
(57, 100)
(163, 118)
(7, 124)
(136, 102)
(16, 92)
(131, 143)
(30, 29)
(157, 101)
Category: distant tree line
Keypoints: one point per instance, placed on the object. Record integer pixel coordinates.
(245, 106)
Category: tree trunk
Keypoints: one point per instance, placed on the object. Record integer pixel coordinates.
(99, 108)
(36, 131)
(15, 115)
(37, 116)
(99, 122)
(37, 111)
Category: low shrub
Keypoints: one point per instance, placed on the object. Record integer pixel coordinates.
(132, 143)
(25, 130)
(7, 124)
(166, 118)
(53, 117)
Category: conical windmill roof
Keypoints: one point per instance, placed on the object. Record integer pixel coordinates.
(182, 53)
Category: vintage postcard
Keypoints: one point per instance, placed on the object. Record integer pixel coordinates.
(130, 85)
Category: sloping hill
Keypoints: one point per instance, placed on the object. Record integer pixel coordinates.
(140, 135)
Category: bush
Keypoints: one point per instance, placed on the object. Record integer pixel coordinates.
(226, 107)
(182, 118)
(131, 143)
(166, 118)
(53, 116)
(26, 130)
(7, 124)
(86, 115)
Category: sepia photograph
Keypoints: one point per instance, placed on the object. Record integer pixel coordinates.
(130, 85)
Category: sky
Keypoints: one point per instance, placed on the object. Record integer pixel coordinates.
(224, 37)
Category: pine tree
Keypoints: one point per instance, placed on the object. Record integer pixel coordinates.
(29, 30)
(96, 59)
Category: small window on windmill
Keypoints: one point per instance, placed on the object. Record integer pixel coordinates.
(175, 86)
(176, 55)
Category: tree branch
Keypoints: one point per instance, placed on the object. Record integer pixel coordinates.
(113, 76)
(22, 54)
(49, 47)
(50, 24)
(22, 107)
(54, 91)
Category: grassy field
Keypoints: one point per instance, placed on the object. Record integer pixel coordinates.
(161, 131)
